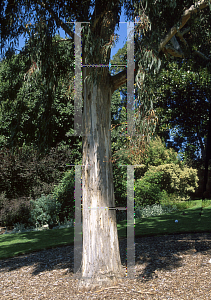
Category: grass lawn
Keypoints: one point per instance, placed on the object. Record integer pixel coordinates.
(26, 242)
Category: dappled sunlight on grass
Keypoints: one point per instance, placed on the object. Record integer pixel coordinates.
(15, 244)
(192, 219)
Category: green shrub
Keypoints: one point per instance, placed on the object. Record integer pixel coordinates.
(25, 172)
(146, 192)
(160, 181)
(64, 194)
(188, 181)
(158, 154)
(45, 210)
(14, 211)
(206, 203)
(181, 205)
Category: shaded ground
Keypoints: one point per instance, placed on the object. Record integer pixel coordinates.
(167, 267)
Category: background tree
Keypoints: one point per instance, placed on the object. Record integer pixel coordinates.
(23, 103)
(188, 117)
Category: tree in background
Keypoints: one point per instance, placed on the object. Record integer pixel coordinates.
(188, 117)
(25, 118)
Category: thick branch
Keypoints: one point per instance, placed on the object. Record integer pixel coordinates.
(185, 17)
(176, 50)
(180, 35)
(118, 80)
(201, 55)
(58, 21)
(121, 78)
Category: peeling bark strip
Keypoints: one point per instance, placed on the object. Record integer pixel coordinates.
(185, 17)
(101, 259)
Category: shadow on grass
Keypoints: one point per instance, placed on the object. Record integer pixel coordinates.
(192, 221)
(52, 249)
(156, 248)
(22, 243)
(159, 240)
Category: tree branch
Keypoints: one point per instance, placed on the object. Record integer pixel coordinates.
(118, 80)
(97, 19)
(62, 40)
(58, 21)
(201, 145)
(175, 50)
(201, 55)
(185, 17)
(180, 35)
(121, 78)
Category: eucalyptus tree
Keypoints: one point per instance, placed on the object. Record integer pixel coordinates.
(159, 22)
(26, 117)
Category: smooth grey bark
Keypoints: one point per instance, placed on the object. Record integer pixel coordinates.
(101, 263)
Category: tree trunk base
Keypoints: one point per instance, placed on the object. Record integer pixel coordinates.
(98, 282)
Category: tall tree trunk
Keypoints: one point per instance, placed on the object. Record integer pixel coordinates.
(201, 145)
(207, 158)
(101, 263)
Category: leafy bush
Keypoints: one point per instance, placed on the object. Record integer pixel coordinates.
(206, 203)
(66, 223)
(45, 210)
(161, 181)
(188, 181)
(16, 175)
(158, 154)
(155, 154)
(19, 227)
(25, 172)
(147, 193)
(14, 211)
(181, 205)
(64, 194)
